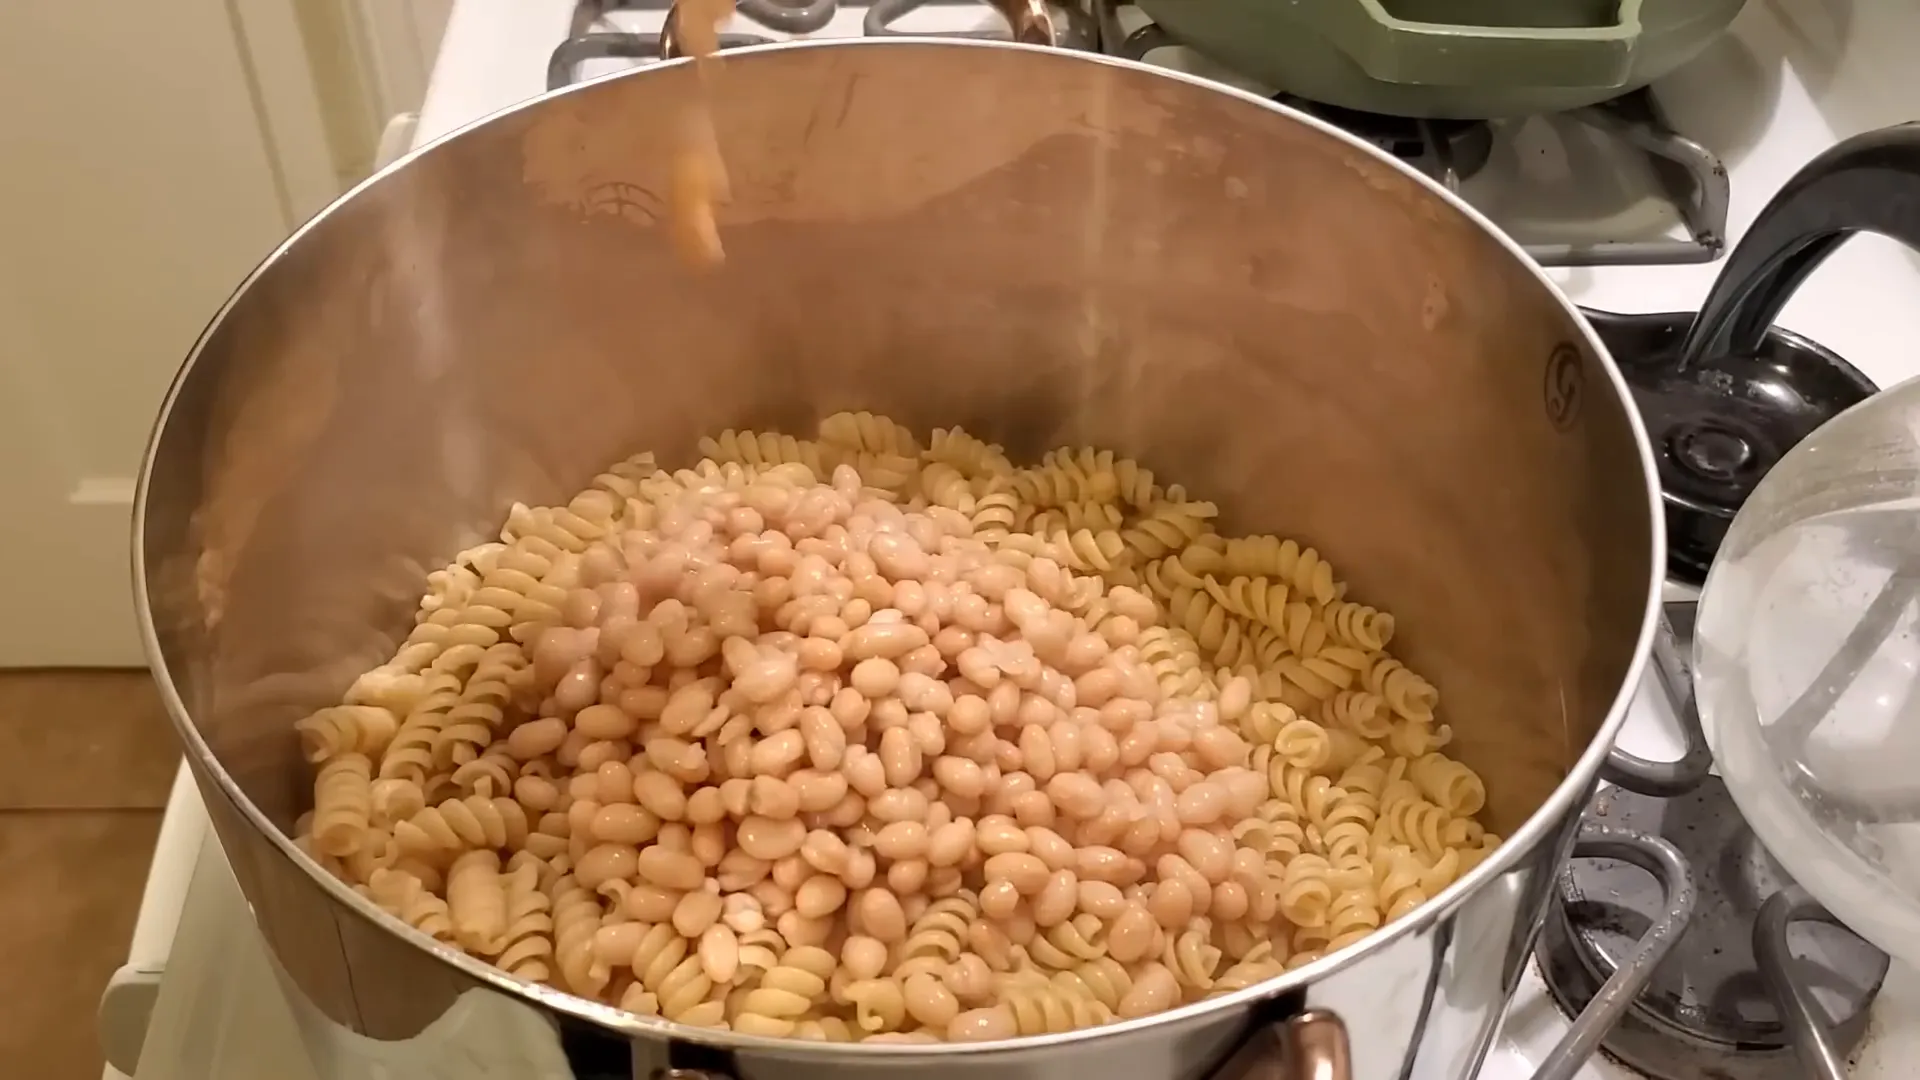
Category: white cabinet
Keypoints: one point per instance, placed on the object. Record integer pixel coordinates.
(153, 153)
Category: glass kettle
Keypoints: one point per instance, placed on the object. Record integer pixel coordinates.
(1807, 645)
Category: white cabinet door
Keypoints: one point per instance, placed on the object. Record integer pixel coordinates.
(150, 154)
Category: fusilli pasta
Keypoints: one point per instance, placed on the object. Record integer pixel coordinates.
(847, 738)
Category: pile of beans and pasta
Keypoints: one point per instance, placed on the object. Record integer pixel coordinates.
(860, 737)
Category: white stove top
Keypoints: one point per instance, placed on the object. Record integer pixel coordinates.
(1766, 100)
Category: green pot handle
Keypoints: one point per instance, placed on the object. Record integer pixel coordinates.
(1397, 50)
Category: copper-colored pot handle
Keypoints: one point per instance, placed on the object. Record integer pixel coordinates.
(1313, 1046)
(1310, 1045)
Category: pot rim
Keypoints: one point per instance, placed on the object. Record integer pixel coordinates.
(1567, 796)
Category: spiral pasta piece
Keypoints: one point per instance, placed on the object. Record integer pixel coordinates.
(1258, 600)
(342, 804)
(1213, 629)
(566, 527)
(969, 456)
(1257, 966)
(879, 1005)
(674, 983)
(1173, 657)
(1043, 1008)
(576, 917)
(519, 581)
(1097, 518)
(457, 630)
(868, 433)
(1301, 568)
(492, 773)
(527, 941)
(944, 485)
(938, 936)
(622, 479)
(1136, 486)
(473, 721)
(1355, 909)
(1358, 711)
(1359, 626)
(1192, 956)
(410, 755)
(1416, 823)
(786, 993)
(993, 515)
(1407, 694)
(377, 851)
(763, 450)
(1303, 744)
(472, 822)
(1087, 550)
(1347, 830)
(1306, 891)
(1450, 785)
(1411, 740)
(451, 587)
(823, 1029)
(404, 897)
(1065, 477)
(477, 902)
(1167, 528)
(360, 729)
(1397, 877)
(1310, 796)
(1073, 942)
(1103, 979)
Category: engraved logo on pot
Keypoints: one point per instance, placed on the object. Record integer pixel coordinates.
(619, 198)
(1566, 385)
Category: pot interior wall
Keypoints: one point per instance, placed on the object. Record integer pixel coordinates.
(1067, 252)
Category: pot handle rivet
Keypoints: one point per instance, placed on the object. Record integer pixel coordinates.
(1313, 1046)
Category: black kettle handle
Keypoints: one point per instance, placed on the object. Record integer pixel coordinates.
(1869, 183)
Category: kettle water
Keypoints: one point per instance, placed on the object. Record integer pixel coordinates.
(1807, 666)
(1807, 646)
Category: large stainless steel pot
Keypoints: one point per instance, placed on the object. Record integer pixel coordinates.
(1044, 246)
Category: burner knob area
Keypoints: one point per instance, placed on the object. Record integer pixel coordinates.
(1715, 453)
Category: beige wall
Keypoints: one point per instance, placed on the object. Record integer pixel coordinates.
(370, 60)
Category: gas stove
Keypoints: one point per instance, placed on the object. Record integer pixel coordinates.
(1613, 185)
(1626, 205)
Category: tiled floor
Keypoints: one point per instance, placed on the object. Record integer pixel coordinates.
(86, 760)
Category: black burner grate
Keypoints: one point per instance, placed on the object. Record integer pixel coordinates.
(1457, 149)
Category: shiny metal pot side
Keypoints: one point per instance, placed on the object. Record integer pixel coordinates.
(1044, 247)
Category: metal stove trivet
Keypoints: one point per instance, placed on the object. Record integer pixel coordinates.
(1763, 984)
(589, 40)
(1449, 151)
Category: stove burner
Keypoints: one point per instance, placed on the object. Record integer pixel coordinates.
(1718, 427)
(1708, 1014)
(1456, 149)
(792, 16)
